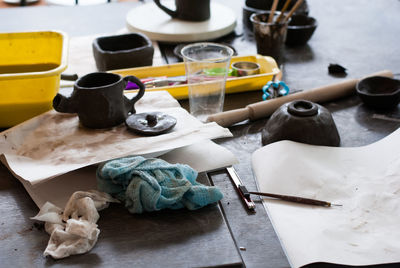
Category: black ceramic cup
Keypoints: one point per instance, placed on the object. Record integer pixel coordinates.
(122, 51)
(300, 30)
(190, 10)
(98, 99)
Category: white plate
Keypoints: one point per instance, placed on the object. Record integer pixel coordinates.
(80, 2)
(159, 26)
(18, 2)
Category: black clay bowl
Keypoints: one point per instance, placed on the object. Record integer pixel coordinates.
(261, 6)
(300, 30)
(301, 121)
(122, 51)
(379, 92)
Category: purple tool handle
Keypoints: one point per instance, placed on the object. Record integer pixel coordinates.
(131, 85)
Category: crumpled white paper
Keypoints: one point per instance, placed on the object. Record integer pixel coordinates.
(365, 180)
(203, 156)
(54, 143)
(74, 230)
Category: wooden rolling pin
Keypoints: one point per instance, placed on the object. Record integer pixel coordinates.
(266, 108)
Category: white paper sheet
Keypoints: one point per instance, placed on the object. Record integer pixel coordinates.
(365, 180)
(54, 143)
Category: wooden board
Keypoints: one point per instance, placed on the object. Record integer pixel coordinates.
(166, 238)
(159, 26)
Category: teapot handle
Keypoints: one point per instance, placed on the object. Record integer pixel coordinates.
(173, 14)
(139, 95)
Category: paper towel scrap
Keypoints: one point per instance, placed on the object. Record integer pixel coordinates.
(365, 180)
(74, 230)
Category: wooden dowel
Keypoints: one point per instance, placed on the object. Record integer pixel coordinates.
(294, 8)
(266, 108)
(285, 6)
(272, 11)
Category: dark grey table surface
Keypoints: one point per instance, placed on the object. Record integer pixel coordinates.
(361, 35)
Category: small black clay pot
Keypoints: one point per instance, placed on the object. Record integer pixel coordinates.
(261, 6)
(379, 92)
(300, 30)
(122, 51)
(302, 121)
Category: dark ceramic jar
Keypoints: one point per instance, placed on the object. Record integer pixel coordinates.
(301, 121)
(122, 51)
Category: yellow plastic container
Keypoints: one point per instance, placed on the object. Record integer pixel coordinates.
(30, 68)
(268, 68)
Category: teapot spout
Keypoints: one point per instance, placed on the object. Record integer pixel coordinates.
(64, 104)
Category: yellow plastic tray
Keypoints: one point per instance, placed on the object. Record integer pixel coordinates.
(268, 68)
(30, 68)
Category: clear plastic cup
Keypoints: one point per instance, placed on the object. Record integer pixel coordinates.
(207, 66)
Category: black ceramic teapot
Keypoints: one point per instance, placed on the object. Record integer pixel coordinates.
(98, 99)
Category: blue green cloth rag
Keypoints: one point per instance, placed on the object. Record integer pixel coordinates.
(154, 184)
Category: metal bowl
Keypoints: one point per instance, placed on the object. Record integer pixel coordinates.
(245, 68)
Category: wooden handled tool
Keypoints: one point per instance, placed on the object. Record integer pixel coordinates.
(266, 108)
(295, 199)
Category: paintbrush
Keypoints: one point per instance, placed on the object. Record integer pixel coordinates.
(297, 199)
(290, 198)
(272, 12)
(294, 8)
(285, 6)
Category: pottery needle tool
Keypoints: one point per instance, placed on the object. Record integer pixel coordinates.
(272, 11)
(239, 185)
(294, 8)
(291, 198)
(285, 6)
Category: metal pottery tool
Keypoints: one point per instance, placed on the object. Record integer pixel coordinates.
(239, 185)
(163, 82)
(266, 108)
